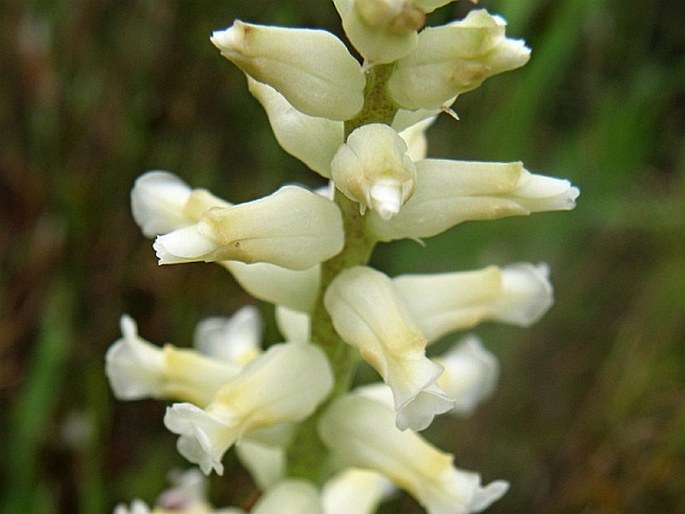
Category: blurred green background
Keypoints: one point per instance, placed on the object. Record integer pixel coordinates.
(589, 416)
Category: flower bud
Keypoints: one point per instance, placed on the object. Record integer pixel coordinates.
(450, 192)
(161, 203)
(137, 369)
(453, 59)
(312, 69)
(284, 384)
(311, 140)
(361, 432)
(470, 374)
(445, 302)
(292, 227)
(295, 289)
(369, 314)
(372, 168)
(381, 30)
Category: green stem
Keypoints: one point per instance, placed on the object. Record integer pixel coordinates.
(306, 454)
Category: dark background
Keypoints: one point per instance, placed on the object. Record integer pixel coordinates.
(589, 415)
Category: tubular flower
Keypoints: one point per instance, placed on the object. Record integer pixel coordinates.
(454, 59)
(372, 168)
(451, 192)
(258, 231)
(137, 369)
(312, 69)
(370, 315)
(286, 383)
(362, 433)
(518, 294)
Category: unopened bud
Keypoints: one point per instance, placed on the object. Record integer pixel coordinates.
(373, 169)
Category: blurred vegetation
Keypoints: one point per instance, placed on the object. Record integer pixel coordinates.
(589, 415)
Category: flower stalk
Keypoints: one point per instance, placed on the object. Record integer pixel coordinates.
(292, 412)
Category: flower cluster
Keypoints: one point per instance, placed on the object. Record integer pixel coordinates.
(311, 443)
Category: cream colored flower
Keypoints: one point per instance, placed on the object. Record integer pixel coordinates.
(373, 168)
(445, 302)
(293, 228)
(137, 369)
(453, 59)
(312, 69)
(362, 433)
(450, 192)
(284, 384)
(370, 314)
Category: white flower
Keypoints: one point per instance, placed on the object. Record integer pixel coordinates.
(441, 303)
(292, 227)
(312, 69)
(284, 384)
(137, 369)
(236, 339)
(454, 58)
(372, 168)
(296, 289)
(362, 433)
(161, 203)
(369, 314)
(470, 374)
(381, 30)
(355, 491)
(450, 192)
